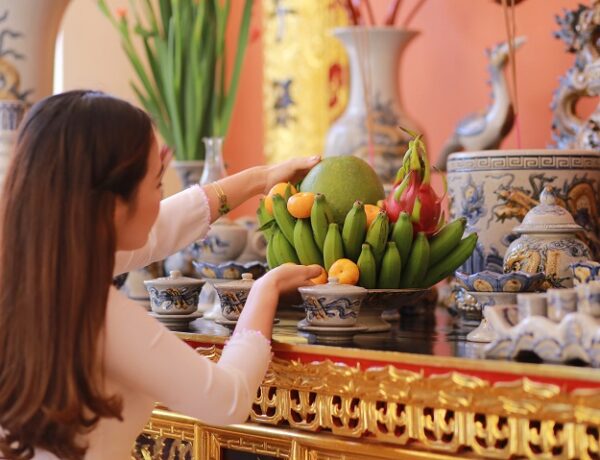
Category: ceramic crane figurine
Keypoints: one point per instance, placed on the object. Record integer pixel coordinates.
(485, 130)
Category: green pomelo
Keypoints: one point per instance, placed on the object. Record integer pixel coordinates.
(343, 180)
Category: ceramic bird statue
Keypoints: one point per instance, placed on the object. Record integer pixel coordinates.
(485, 130)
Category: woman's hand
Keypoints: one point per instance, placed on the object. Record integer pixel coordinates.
(289, 171)
(263, 298)
(289, 277)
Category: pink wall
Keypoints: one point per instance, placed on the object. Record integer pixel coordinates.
(443, 75)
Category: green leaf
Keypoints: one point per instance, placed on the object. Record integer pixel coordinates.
(235, 79)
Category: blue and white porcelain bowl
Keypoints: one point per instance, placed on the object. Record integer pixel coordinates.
(174, 294)
(332, 304)
(488, 281)
(224, 241)
(585, 271)
(494, 189)
(230, 270)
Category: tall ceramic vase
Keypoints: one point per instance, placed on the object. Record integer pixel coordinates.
(375, 103)
(28, 30)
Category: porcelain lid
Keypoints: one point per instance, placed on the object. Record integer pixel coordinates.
(548, 217)
(245, 283)
(174, 279)
(333, 287)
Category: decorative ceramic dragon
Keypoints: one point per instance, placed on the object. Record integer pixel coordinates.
(580, 30)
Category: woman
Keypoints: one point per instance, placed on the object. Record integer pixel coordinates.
(81, 365)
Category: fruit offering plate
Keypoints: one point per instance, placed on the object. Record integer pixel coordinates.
(575, 339)
(404, 300)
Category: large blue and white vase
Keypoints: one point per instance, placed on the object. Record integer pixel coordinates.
(28, 30)
(374, 105)
(495, 189)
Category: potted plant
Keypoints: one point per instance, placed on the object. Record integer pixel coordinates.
(181, 73)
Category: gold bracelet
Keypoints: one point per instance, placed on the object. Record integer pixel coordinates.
(223, 206)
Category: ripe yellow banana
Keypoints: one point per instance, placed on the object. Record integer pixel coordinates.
(367, 267)
(446, 240)
(353, 232)
(377, 236)
(283, 251)
(304, 242)
(320, 218)
(284, 219)
(415, 268)
(333, 248)
(402, 235)
(391, 268)
(451, 262)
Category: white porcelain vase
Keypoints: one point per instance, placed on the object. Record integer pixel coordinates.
(495, 189)
(374, 54)
(28, 30)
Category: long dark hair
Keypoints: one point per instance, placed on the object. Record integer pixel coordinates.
(76, 153)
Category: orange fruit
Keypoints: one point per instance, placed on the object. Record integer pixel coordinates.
(300, 204)
(372, 212)
(345, 271)
(277, 189)
(321, 279)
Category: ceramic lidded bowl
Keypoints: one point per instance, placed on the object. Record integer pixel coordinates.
(548, 243)
(494, 189)
(233, 296)
(174, 294)
(225, 241)
(332, 304)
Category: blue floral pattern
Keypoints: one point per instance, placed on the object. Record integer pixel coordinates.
(342, 308)
(174, 299)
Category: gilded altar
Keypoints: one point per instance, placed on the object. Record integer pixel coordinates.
(422, 394)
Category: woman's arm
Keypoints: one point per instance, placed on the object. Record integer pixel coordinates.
(253, 181)
(259, 310)
(185, 217)
(143, 355)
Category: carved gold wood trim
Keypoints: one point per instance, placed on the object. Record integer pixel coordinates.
(280, 443)
(445, 413)
(554, 371)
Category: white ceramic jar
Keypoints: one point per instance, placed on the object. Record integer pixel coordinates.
(548, 243)
(495, 189)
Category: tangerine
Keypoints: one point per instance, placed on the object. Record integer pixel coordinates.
(371, 210)
(277, 189)
(300, 204)
(345, 271)
(321, 279)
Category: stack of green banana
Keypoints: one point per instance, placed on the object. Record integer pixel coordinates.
(387, 256)
(294, 240)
